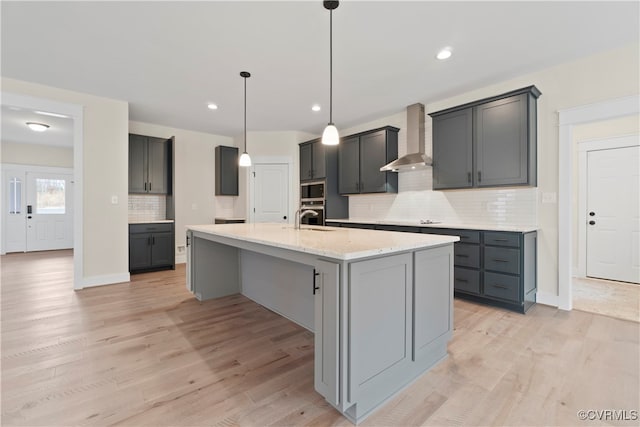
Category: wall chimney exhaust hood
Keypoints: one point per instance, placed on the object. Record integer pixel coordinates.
(416, 159)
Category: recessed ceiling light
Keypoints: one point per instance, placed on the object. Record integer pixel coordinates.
(212, 106)
(37, 127)
(46, 113)
(316, 107)
(444, 53)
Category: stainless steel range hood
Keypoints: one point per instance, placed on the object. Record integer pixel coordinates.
(416, 159)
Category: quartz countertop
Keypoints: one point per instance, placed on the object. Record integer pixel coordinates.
(331, 242)
(443, 224)
(156, 221)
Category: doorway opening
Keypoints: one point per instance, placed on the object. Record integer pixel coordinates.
(51, 183)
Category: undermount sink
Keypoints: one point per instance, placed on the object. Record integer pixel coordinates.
(308, 228)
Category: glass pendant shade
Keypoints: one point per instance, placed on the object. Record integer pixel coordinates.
(330, 135)
(245, 160)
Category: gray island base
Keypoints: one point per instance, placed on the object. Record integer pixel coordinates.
(380, 303)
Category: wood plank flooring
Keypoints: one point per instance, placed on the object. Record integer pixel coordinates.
(148, 353)
(616, 299)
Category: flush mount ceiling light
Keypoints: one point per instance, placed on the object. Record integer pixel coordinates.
(315, 107)
(212, 106)
(444, 53)
(37, 127)
(245, 160)
(330, 135)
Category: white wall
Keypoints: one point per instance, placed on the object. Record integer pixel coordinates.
(604, 76)
(36, 154)
(194, 186)
(105, 174)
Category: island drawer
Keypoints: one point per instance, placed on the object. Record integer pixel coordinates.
(501, 238)
(466, 255)
(467, 236)
(501, 286)
(466, 280)
(150, 228)
(504, 260)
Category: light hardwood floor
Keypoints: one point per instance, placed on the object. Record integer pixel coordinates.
(616, 299)
(148, 353)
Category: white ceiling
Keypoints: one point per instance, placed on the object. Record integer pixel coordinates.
(169, 59)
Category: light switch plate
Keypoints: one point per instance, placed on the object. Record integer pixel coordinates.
(549, 198)
(114, 200)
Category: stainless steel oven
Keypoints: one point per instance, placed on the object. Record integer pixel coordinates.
(317, 207)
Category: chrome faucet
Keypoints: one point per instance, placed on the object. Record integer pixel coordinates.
(301, 214)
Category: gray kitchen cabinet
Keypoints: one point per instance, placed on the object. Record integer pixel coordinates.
(151, 247)
(360, 158)
(453, 149)
(226, 171)
(149, 165)
(487, 143)
(496, 268)
(312, 160)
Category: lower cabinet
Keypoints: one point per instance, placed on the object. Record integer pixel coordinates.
(492, 267)
(151, 247)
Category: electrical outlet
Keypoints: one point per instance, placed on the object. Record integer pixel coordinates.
(549, 198)
(180, 248)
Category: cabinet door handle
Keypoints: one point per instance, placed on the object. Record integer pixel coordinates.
(153, 240)
(315, 274)
(149, 186)
(479, 176)
(500, 260)
(145, 186)
(495, 285)
(188, 242)
(468, 176)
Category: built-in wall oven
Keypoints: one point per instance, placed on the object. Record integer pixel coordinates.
(312, 198)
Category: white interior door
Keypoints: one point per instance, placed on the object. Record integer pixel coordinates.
(49, 215)
(271, 192)
(613, 214)
(14, 217)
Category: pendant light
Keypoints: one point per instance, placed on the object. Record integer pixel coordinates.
(245, 160)
(330, 135)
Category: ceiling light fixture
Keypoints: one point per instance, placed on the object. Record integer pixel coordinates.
(245, 160)
(37, 127)
(330, 135)
(212, 106)
(444, 53)
(315, 107)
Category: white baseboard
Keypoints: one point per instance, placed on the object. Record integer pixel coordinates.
(547, 299)
(181, 259)
(108, 279)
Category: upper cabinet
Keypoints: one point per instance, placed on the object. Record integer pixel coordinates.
(360, 158)
(312, 161)
(149, 165)
(486, 143)
(226, 171)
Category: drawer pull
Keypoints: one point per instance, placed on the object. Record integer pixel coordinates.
(500, 260)
(462, 280)
(500, 286)
(500, 240)
(464, 237)
(462, 255)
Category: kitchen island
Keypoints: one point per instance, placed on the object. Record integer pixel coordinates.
(379, 303)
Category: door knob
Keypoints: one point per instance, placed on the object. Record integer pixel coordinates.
(592, 214)
(592, 222)
(284, 217)
(29, 217)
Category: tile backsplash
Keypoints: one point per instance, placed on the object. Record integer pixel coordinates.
(147, 207)
(415, 200)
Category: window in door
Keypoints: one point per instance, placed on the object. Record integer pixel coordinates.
(50, 196)
(15, 196)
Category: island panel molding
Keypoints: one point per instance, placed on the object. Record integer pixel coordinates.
(349, 277)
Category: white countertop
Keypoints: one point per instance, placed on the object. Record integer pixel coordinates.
(331, 242)
(157, 221)
(465, 226)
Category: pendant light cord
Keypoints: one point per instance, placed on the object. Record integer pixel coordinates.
(245, 114)
(331, 66)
